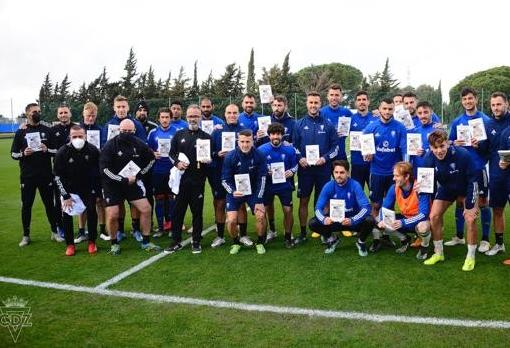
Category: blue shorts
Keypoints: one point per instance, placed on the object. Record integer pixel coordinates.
(445, 193)
(160, 183)
(361, 173)
(217, 188)
(285, 197)
(483, 183)
(499, 193)
(379, 185)
(233, 203)
(310, 177)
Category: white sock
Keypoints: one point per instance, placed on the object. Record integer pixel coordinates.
(438, 247)
(471, 251)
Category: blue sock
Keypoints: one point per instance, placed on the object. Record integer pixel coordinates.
(486, 217)
(160, 207)
(171, 207)
(459, 221)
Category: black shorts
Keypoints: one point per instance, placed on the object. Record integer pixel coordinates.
(116, 194)
(160, 183)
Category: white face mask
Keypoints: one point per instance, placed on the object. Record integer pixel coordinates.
(78, 143)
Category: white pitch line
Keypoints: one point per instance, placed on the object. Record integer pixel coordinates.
(145, 263)
(378, 318)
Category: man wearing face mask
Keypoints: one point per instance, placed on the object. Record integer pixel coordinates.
(124, 161)
(192, 184)
(33, 147)
(77, 171)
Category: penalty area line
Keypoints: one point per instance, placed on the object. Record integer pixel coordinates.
(318, 313)
(145, 263)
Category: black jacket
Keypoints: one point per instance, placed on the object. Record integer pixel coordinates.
(185, 141)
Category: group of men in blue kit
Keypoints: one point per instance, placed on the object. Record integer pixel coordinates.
(400, 153)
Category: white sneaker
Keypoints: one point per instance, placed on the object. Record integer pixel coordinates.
(484, 246)
(81, 237)
(217, 242)
(271, 235)
(246, 241)
(455, 241)
(495, 249)
(104, 236)
(57, 238)
(26, 240)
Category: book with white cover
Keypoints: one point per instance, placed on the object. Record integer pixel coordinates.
(113, 131)
(337, 210)
(34, 141)
(228, 141)
(266, 94)
(207, 126)
(344, 126)
(355, 140)
(264, 122)
(243, 183)
(464, 134)
(278, 172)
(413, 143)
(403, 116)
(164, 147)
(425, 177)
(367, 144)
(203, 150)
(388, 217)
(504, 155)
(93, 137)
(312, 154)
(477, 129)
(130, 169)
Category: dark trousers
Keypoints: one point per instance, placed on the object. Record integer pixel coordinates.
(67, 220)
(28, 189)
(57, 207)
(190, 194)
(364, 228)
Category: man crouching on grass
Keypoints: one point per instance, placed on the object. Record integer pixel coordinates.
(245, 170)
(342, 205)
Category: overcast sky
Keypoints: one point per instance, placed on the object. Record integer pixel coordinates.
(425, 41)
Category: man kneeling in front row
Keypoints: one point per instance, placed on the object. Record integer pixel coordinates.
(342, 205)
(414, 210)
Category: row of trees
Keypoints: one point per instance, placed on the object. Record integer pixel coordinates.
(233, 82)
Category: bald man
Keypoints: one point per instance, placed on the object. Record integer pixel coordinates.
(124, 162)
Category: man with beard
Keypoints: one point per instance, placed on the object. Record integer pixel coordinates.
(360, 170)
(61, 136)
(282, 166)
(33, 147)
(356, 210)
(310, 132)
(124, 161)
(333, 111)
(410, 100)
(455, 178)
(220, 150)
(159, 140)
(77, 172)
(142, 115)
(497, 185)
(244, 170)
(390, 138)
(479, 152)
(192, 183)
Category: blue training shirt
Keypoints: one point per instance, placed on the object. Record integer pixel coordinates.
(282, 153)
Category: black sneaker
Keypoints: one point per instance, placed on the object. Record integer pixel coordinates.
(404, 244)
(301, 239)
(387, 242)
(289, 243)
(376, 246)
(173, 248)
(196, 248)
(423, 253)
